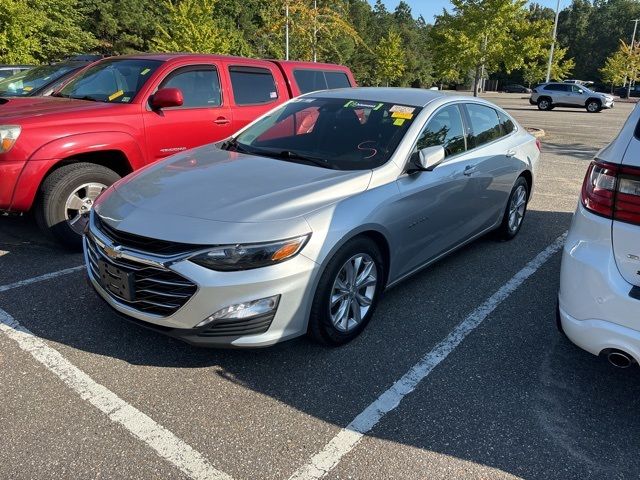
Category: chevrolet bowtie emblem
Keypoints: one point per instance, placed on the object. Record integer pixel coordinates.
(113, 252)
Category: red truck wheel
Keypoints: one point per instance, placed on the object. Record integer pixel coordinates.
(66, 197)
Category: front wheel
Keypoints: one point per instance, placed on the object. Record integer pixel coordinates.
(515, 211)
(347, 293)
(593, 106)
(544, 104)
(66, 197)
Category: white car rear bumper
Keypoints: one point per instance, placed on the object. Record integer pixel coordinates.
(596, 311)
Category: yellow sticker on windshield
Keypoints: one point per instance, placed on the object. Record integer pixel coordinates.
(145, 71)
(27, 89)
(113, 96)
(398, 122)
(406, 116)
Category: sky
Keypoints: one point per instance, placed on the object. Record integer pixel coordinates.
(429, 8)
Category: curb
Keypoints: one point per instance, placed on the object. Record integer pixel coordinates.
(536, 132)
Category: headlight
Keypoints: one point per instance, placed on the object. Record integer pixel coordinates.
(245, 257)
(8, 136)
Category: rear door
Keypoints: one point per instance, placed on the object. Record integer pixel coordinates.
(204, 117)
(256, 88)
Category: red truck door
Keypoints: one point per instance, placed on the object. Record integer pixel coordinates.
(205, 116)
(256, 87)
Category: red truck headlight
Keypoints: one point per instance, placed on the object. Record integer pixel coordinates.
(8, 136)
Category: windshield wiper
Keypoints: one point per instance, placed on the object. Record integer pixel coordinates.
(232, 144)
(85, 97)
(290, 155)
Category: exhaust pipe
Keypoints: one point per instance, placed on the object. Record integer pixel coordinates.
(619, 359)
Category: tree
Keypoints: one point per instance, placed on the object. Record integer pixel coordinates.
(19, 32)
(622, 65)
(483, 34)
(535, 69)
(189, 26)
(390, 60)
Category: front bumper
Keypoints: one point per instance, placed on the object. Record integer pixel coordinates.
(9, 174)
(597, 311)
(292, 280)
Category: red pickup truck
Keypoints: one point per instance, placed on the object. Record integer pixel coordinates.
(58, 153)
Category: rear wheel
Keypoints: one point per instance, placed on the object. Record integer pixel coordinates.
(544, 103)
(593, 106)
(348, 293)
(67, 196)
(515, 211)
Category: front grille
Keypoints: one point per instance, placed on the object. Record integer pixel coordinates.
(234, 328)
(154, 290)
(144, 244)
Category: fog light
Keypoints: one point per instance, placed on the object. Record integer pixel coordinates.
(242, 311)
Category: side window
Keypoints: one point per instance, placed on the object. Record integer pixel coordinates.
(252, 85)
(337, 80)
(576, 89)
(200, 86)
(507, 124)
(444, 128)
(310, 80)
(484, 124)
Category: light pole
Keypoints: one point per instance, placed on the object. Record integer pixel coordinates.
(631, 47)
(315, 30)
(286, 30)
(553, 41)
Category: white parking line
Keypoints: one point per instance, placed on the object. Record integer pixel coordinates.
(324, 461)
(165, 443)
(40, 278)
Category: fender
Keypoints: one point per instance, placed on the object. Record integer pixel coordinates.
(43, 160)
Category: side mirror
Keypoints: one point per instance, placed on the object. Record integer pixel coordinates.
(426, 159)
(166, 98)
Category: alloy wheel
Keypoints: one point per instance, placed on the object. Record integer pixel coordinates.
(353, 292)
(79, 204)
(517, 205)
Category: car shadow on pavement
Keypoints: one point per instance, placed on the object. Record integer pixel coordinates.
(580, 151)
(515, 395)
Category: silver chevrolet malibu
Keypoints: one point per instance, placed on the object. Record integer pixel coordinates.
(299, 222)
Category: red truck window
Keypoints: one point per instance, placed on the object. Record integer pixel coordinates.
(200, 86)
(252, 85)
(309, 80)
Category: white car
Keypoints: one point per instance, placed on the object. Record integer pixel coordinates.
(599, 299)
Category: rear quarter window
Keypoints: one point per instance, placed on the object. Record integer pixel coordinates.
(311, 80)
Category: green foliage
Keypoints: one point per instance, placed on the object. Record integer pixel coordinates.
(622, 65)
(19, 32)
(390, 61)
(536, 68)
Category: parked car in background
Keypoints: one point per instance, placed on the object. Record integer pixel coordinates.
(633, 92)
(44, 79)
(8, 70)
(300, 221)
(58, 153)
(599, 298)
(551, 95)
(515, 88)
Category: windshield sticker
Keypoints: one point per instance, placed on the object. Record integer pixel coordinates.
(401, 109)
(27, 89)
(273, 95)
(406, 116)
(398, 122)
(125, 99)
(145, 71)
(115, 95)
(357, 104)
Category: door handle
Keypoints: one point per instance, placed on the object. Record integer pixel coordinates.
(469, 169)
(221, 121)
(511, 153)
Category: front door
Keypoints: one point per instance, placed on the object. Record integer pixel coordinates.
(203, 118)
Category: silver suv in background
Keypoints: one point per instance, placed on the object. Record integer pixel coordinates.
(550, 95)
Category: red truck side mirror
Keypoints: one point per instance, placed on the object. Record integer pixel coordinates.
(167, 97)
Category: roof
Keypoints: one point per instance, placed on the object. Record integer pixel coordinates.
(416, 97)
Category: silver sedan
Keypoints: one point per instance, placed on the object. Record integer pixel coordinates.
(299, 222)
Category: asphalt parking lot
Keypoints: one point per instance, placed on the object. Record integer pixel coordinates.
(493, 391)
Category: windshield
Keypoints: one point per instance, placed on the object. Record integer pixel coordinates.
(112, 81)
(337, 133)
(23, 83)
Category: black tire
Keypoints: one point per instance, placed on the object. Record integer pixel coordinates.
(544, 103)
(506, 231)
(50, 210)
(593, 106)
(321, 328)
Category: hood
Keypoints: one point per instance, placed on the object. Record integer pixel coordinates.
(212, 184)
(27, 108)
